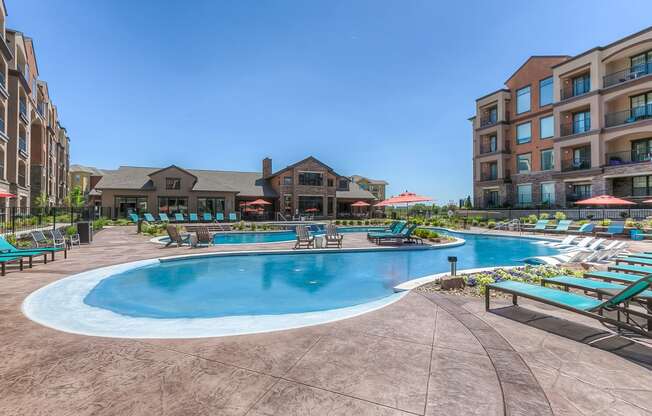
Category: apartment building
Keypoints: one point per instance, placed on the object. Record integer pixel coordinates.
(308, 187)
(34, 148)
(377, 187)
(566, 128)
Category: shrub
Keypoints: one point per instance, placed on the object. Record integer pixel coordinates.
(491, 224)
(529, 274)
(605, 222)
(559, 216)
(338, 222)
(544, 216)
(71, 230)
(531, 219)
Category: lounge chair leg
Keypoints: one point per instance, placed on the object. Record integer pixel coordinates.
(4, 268)
(30, 261)
(45, 258)
(486, 299)
(65, 253)
(21, 264)
(514, 300)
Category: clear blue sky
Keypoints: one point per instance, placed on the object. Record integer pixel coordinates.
(379, 88)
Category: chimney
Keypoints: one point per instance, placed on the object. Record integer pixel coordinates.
(267, 167)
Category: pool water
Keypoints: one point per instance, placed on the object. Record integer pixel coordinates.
(254, 237)
(269, 284)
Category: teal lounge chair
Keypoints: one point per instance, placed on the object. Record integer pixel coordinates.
(219, 216)
(179, 217)
(193, 217)
(616, 227)
(9, 250)
(613, 276)
(562, 226)
(164, 217)
(404, 235)
(600, 287)
(634, 260)
(149, 217)
(232, 216)
(395, 228)
(134, 218)
(208, 217)
(5, 260)
(639, 235)
(584, 305)
(585, 229)
(630, 268)
(540, 226)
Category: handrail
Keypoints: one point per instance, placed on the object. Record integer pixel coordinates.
(627, 74)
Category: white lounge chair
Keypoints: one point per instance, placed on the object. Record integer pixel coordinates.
(583, 243)
(567, 257)
(566, 242)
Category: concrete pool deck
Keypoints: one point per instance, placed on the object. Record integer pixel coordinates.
(425, 354)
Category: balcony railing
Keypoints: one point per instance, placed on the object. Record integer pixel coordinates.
(627, 157)
(488, 176)
(580, 163)
(2, 126)
(571, 91)
(488, 148)
(3, 80)
(628, 116)
(489, 119)
(575, 127)
(627, 74)
(22, 144)
(40, 107)
(574, 197)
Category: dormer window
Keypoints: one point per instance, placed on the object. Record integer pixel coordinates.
(172, 184)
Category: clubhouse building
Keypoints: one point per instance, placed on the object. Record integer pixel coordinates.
(308, 187)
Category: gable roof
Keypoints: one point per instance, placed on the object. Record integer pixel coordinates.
(139, 178)
(357, 178)
(527, 61)
(355, 192)
(172, 167)
(309, 158)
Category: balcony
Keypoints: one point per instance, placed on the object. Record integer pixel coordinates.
(626, 158)
(571, 90)
(22, 108)
(578, 163)
(574, 197)
(490, 118)
(484, 176)
(628, 116)
(627, 74)
(575, 127)
(3, 80)
(488, 148)
(40, 107)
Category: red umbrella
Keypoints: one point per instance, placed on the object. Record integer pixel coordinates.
(406, 198)
(259, 202)
(7, 195)
(605, 200)
(360, 204)
(311, 210)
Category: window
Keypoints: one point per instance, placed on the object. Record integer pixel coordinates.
(172, 183)
(311, 178)
(581, 122)
(524, 133)
(130, 204)
(493, 115)
(493, 171)
(287, 203)
(640, 106)
(524, 194)
(492, 199)
(524, 163)
(330, 182)
(546, 127)
(581, 84)
(547, 159)
(581, 191)
(523, 100)
(287, 180)
(548, 193)
(172, 205)
(343, 184)
(545, 91)
(641, 150)
(313, 205)
(641, 186)
(640, 63)
(493, 143)
(211, 205)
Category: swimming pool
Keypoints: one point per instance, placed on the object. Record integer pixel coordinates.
(232, 294)
(257, 237)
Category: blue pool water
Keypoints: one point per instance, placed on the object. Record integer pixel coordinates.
(254, 237)
(288, 283)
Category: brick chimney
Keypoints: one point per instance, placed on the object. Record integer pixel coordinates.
(267, 167)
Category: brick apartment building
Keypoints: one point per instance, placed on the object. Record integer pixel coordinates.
(566, 128)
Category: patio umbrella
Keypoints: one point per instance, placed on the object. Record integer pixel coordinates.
(7, 195)
(406, 198)
(259, 202)
(360, 204)
(604, 200)
(311, 210)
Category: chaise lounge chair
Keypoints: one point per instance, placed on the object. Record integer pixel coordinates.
(332, 237)
(562, 226)
(401, 237)
(584, 305)
(615, 228)
(395, 228)
(134, 218)
(179, 217)
(149, 217)
(176, 237)
(565, 243)
(539, 226)
(164, 217)
(304, 238)
(193, 217)
(8, 250)
(204, 237)
(584, 229)
(233, 216)
(208, 217)
(219, 216)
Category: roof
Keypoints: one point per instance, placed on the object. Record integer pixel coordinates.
(357, 178)
(243, 183)
(314, 159)
(87, 169)
(567, 57)
(355, 192)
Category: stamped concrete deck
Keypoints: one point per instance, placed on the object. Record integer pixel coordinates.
(425, 354)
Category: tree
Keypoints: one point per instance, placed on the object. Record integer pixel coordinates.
(76, 198)
(467, 202)
(41, 202)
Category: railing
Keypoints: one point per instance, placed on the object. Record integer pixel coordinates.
(3, 80)
(2, 126)
(22, 144)
(488, 148)
(626, 157)
(487, 119)
(23, 220)
(575, 127)
(627, 74)
(568, 165)
(485, 176)
(40, 107)
(628, 116)
(570, 91)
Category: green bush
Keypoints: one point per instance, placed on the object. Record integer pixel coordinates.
(559, 216)
(532, 219)
(491, 224)
(529, 274)
(338, 222)
(71, 230)
(544, 216)
(605, 222)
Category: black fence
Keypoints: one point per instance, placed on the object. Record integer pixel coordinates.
(15, 220)
(571, 213)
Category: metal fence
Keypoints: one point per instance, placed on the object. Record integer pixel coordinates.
(571, 214)
(15, 220)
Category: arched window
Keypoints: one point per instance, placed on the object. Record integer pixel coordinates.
(22, 170)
